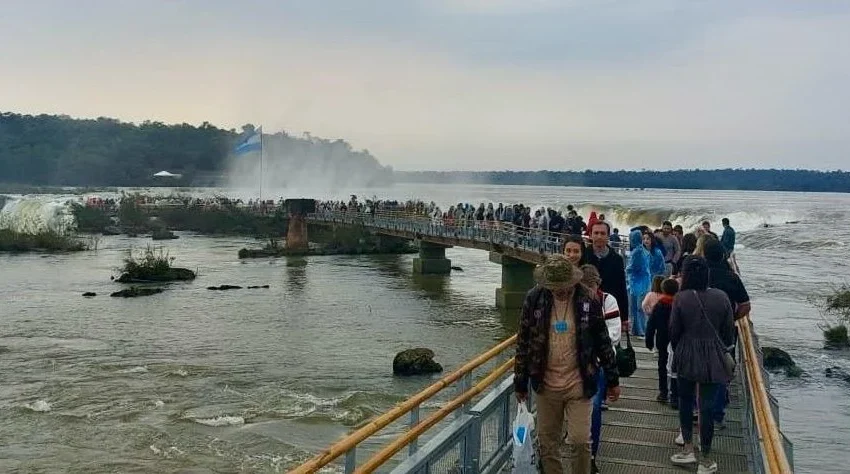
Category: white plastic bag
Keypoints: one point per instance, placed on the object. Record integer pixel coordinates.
(524, 460)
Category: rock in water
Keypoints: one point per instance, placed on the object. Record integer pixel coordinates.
(837, 373)
(257, 287)
(456, 268)
(417, 361)
(224, 287)
(89, 294)
(134, 291)
(776, 358)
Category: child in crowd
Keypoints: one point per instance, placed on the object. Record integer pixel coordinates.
(653, 296)
(658, 336)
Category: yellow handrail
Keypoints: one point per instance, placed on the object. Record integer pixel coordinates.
(391, 449)
(341, 447)
(773, 452)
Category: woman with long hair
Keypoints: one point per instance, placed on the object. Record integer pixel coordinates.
(574, 250)
(701, 333)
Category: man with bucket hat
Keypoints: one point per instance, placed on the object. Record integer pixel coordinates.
(562, 342)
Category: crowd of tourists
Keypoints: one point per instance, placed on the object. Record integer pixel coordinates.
(681, 291)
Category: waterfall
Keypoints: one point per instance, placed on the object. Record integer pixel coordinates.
(33, 215)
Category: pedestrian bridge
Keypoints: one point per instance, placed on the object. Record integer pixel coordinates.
(470, 432)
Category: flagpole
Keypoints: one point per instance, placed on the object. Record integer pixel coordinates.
(261, 163)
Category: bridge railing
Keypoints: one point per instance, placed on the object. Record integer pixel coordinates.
(771, 451)
(454, 449)
(494, 232)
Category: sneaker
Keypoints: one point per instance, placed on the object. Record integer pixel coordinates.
(679, 439)
(707, 467)
(593, 468)
(604, 406)
(684, 457)
(674, 403)
(661, 399)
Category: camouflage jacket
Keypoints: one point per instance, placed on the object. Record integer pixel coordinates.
(593, 344)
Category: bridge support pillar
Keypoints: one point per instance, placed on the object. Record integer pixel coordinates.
(432, 260)
(296, 233)
(517, 279)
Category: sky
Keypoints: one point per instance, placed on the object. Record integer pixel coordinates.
(459, 84)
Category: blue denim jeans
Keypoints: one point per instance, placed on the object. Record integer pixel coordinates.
(596, 414)
(636, 314)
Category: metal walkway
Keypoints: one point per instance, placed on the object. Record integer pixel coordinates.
(638, 432)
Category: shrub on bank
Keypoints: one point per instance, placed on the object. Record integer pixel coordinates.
(11, 241)
(835, 310)
(90, 219)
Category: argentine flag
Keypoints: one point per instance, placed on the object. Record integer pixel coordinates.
(253, 142)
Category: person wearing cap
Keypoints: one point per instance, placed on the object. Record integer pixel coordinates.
(562, 343)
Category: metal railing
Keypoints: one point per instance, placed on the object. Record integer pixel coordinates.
(411, 407)
(771, 452)
(493, 232)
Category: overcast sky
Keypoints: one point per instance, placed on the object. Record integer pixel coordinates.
(459, 84)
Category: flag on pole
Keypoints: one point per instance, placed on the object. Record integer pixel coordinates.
(253, 142)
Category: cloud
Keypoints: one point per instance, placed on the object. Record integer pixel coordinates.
(617, 88)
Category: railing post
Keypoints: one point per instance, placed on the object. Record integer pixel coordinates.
(414, 420)
(472, 451)
(350, 460)
(464, 384)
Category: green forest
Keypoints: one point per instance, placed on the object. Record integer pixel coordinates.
(50, 150)
(730, 179)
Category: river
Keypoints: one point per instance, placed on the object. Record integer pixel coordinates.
(257, 380)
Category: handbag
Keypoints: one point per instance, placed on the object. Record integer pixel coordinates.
(626, 359)
(728, 361)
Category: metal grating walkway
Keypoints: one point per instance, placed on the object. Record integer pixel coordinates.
(638, 432)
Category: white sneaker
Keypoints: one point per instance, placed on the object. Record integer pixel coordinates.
(679, 439)
(684, 457)
(707, 469)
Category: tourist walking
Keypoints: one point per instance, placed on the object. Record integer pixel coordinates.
(658, 336)
(561, 344)
(639, 279)
(701, 333)
(611, 267)
(611, 312)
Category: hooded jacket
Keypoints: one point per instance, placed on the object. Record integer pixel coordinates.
(638, 271)
(593, 343)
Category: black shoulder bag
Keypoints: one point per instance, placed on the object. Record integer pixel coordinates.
(626, 360)
(728, 361)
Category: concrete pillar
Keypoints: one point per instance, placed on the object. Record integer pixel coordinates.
(296, 233)
(517, 279)
(432, 260)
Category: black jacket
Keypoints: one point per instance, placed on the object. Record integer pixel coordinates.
(593, 344)
(613, 272)
(658, 325)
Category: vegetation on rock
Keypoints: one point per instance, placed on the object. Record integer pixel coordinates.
(152, 266)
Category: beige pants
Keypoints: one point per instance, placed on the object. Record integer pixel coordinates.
(552, 408)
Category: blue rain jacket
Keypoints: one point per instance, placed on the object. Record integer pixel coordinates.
(638, 271)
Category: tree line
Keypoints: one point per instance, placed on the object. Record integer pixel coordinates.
(727, 179)
(57, 150)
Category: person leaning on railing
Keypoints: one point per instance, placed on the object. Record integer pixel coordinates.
(562, 342)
